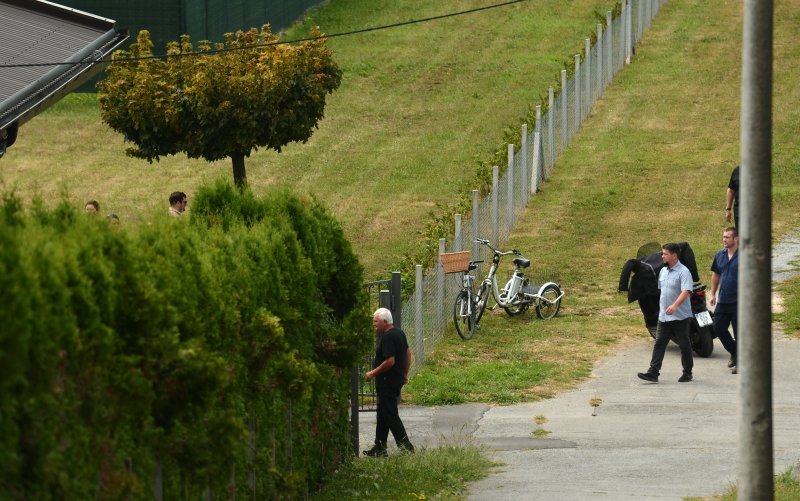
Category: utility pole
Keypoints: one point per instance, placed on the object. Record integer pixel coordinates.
(755, 455)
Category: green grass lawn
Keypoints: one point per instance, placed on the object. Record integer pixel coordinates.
(440, 473)
(416, 107)
(651, 164)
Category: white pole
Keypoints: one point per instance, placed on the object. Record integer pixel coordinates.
(537, 160)
(495, 202)
(419, 336)
(577, 79)
(523, 155)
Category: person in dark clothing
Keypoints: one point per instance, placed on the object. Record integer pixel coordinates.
(675, 313)
(732, 198)
(390, 372)
(724, 290)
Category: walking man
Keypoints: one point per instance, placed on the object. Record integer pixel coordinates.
(724, 285)
(674, 315)
(390, 372)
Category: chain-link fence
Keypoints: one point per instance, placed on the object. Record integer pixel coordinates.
(426, 314)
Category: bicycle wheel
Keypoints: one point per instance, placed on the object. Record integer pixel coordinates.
(464, 315)
(483, 300)
(550, 303)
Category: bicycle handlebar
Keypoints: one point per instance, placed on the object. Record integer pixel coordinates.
(487, 244)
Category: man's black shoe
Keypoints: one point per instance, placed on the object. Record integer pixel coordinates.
(378, 450)
(405, 445)
(685, 378)
(732, 362)
(648, 377)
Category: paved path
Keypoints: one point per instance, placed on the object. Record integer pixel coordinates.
(647, 441)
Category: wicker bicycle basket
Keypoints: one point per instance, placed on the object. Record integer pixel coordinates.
(455, 262)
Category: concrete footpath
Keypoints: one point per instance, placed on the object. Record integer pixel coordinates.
(647, 441)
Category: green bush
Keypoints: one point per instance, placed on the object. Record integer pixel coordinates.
(178, 343)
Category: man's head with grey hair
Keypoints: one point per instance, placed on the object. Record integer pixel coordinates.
(382, 319)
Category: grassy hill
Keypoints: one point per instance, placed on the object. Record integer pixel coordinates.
(417, 105)
(651, 164)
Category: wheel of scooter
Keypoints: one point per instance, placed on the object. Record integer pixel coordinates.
(702, 339)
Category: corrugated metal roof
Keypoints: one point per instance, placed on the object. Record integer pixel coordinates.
(36, 32)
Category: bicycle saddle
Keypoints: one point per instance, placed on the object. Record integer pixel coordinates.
(522, 262)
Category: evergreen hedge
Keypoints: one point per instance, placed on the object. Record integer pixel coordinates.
(217, 347)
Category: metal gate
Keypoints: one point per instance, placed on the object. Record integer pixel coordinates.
(382, 294)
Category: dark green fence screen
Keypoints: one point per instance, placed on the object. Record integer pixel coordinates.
(201, 19)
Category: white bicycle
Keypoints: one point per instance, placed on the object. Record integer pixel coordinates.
(515, 297)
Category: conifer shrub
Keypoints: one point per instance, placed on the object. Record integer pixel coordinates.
(215, 348)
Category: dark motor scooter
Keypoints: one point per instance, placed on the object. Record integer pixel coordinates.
(639, 278)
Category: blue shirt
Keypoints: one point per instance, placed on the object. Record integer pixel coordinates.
(728, 271)
(673, 281)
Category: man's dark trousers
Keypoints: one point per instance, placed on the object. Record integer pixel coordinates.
(664, 332)
(388, 418)
(725, 315)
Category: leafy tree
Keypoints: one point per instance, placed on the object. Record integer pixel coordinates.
(221, 101)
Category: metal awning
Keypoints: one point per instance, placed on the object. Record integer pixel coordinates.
(34, 32)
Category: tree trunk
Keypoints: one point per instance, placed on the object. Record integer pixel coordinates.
(239, 172)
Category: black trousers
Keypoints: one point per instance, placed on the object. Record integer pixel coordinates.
(664, 332)
(388, 418)
(725, 315)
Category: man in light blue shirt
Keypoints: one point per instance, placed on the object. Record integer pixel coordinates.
(674, 315)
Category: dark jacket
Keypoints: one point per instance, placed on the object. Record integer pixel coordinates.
(644, 282)
(645, 273)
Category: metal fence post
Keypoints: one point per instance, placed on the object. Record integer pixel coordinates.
(601, 75)
(397, 299)
(639, 19)
(551, 115)
(577, 79)
(440, 291)
(354, 378)
(537, 160)
(419, 336)
(623, 34)
(564, 99)
(385, 300)
(628, 32)
(523, 155)
(158, 479)
(457, 241)
(510, 186)
(587, 95)
(475, 225)
(609, 48)
(495, 203)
